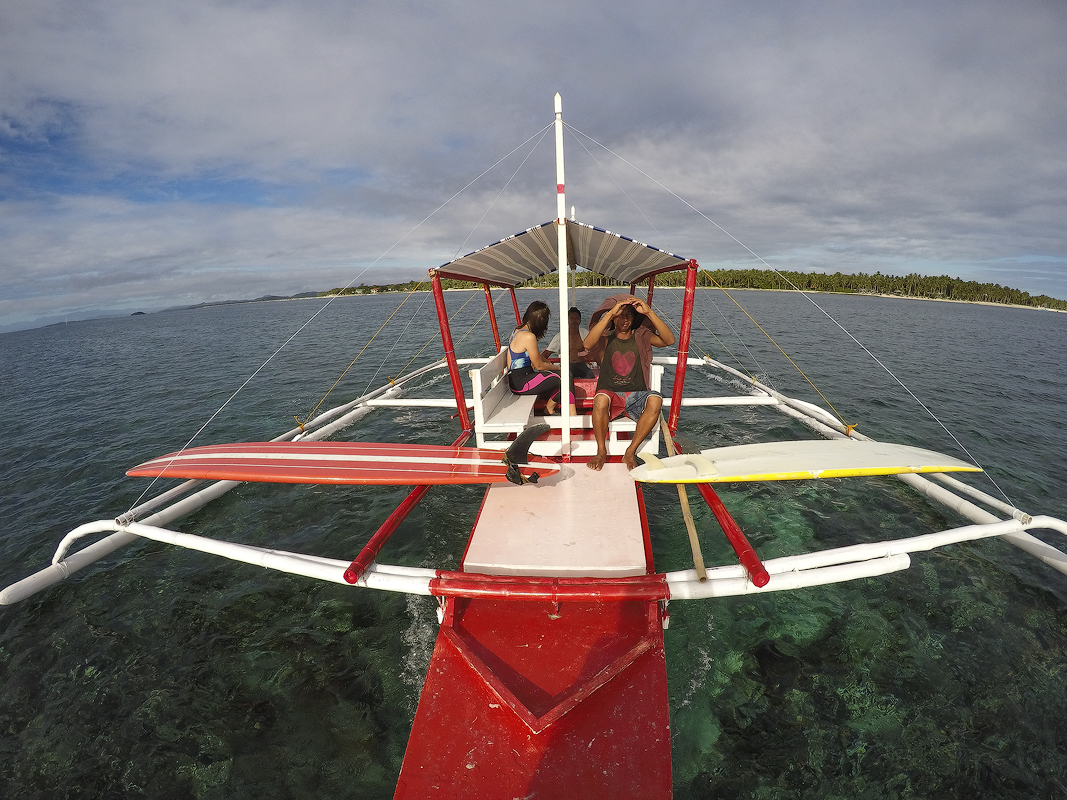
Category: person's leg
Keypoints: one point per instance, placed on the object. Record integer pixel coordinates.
(601, 409)
(645, 423)
(542, 384)
(553, 404)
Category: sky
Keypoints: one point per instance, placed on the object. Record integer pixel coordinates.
(155, 154)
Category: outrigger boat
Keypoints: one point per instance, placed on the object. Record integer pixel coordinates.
(548, 676)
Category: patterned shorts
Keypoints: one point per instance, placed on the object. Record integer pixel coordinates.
(631, 403)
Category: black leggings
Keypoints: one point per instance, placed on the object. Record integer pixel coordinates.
(532, 381)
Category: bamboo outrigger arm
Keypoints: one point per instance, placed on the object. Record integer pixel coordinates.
(788, 572)
(824, 423)
(321, 427)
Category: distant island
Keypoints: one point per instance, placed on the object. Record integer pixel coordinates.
(264, 299)
(939, 287)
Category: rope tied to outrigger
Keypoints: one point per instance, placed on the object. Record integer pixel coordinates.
(848, 428)
(354, 360)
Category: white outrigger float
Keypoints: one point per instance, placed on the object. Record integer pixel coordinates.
(548, 676)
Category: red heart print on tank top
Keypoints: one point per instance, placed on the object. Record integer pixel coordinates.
(623, 363)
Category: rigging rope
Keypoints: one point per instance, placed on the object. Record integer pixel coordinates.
(541, 133)
(673, 290)
(544, 133)
(330, 300)
(848, 428)
(354, 360)
(759, 258)
(385, 360)
(429, 341)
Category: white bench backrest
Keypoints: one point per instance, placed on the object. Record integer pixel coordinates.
(490, 385)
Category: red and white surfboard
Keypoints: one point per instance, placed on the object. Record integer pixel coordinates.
(379, 463)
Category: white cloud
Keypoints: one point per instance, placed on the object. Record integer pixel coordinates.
(210, 149)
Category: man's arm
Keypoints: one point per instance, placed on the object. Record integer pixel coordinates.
(597, 331)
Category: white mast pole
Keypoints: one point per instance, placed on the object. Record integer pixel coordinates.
(573, 275)
(564, 333)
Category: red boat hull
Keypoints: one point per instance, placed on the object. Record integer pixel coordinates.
(527, 699)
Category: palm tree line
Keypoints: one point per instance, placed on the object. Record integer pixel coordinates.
(936, 287)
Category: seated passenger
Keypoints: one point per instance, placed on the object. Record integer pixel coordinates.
(530, 373)
(579, 355)
(625, 356)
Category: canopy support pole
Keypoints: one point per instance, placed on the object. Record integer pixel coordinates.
(683, 343)
(515, 305)
(492, 315)
(450, 353)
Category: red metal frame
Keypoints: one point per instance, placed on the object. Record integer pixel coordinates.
(553, 590)
(381, 536)
(683, 345)
(515, 305)
(450, 352)
(645, 276)
(650, 566)
(651, 286)
(492, 315)
(469, 279)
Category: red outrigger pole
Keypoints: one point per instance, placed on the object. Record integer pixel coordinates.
(746, 555)
(381, 536)
(377, 541)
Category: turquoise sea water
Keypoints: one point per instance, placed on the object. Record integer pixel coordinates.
(165, 673)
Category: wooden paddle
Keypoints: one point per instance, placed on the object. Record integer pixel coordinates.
(687, 515)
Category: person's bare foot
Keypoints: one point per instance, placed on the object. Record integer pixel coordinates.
(597, 461)
(629, 460)
(550, 408)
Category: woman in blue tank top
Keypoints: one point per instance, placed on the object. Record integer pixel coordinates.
(529, 373)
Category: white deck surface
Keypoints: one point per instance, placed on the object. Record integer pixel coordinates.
(575, 523)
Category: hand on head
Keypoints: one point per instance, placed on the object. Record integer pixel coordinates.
(640, 306)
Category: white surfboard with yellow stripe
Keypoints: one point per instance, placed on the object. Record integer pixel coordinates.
(795, 460)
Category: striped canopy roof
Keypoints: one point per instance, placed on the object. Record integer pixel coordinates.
(532, 253)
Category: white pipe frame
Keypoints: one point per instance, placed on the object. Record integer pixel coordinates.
(63, 565)
(824, 423)
(788, 572)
